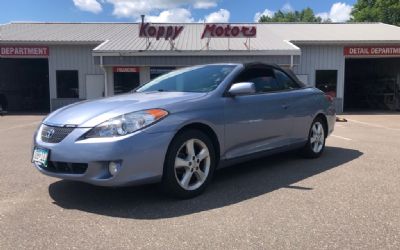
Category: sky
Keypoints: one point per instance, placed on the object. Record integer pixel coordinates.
(164, 10)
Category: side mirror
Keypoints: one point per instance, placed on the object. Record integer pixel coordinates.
(242, 88)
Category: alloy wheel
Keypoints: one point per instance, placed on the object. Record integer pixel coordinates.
(192, 164)
(317, 137)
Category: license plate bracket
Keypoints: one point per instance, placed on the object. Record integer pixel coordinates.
(40, 156)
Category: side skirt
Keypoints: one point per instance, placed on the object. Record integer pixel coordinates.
(233, 161)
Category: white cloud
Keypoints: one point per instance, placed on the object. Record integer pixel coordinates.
(221, 16)
(126, 8)
(205, 4)
(339, 12)
(287, 7)
(266, 12)
(181, 15)
(172, 16)
(134, 8)
(323, 15)
(157, 10)
(88, 5)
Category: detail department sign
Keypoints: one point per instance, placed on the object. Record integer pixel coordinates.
(27, 51)
(372, 51)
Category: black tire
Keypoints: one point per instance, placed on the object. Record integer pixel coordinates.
(309, 150)
(170, 182)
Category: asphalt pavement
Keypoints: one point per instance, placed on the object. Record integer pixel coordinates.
(347, 199)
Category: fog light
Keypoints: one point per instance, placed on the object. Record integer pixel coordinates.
(113, 168)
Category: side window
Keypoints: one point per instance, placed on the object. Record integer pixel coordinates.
(285, 80)
(263, 79)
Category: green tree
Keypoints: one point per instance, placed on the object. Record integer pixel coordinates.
(386, 11)
(264, 19)
(306, 15)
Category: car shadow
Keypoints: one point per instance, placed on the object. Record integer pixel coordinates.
(230, 186)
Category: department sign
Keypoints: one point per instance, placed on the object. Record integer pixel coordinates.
(372, 51)
(27, 51)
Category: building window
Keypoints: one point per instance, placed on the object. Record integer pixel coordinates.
(159, 71)
(67, 83)
(126, 79)
(326, 80)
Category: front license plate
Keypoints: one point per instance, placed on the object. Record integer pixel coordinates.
(40, 156)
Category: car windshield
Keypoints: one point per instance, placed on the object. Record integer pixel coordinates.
(193, 79)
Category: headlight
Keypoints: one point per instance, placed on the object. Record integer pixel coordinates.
(127, 123)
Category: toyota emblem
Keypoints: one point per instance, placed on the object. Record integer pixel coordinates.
(49, 133)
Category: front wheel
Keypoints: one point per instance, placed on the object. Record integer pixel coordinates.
(189, 164)
(316, 140)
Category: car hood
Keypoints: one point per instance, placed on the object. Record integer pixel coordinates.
(94, 112)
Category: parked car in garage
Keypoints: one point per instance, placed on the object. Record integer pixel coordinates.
(178, 128)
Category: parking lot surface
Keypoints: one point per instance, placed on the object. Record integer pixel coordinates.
(348, 198)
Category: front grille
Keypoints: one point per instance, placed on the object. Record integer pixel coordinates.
(52, 134)
(66, 168)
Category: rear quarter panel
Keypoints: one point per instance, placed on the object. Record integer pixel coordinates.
(307, 103)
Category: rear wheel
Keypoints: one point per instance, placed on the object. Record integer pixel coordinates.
(189, 165)
(316, 139)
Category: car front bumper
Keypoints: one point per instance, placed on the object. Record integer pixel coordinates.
(141, 156)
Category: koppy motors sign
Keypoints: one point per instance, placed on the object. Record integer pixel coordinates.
(167, 32)
(171, 32)
(229, 31)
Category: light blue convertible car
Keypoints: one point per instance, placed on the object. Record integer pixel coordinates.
(178, 128)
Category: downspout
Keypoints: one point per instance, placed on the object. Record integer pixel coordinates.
(291, 62)
(105, 77)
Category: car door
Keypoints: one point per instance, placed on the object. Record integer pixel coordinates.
(300, 106)
(259, 121)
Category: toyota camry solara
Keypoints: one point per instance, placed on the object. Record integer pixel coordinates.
(178, 128)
